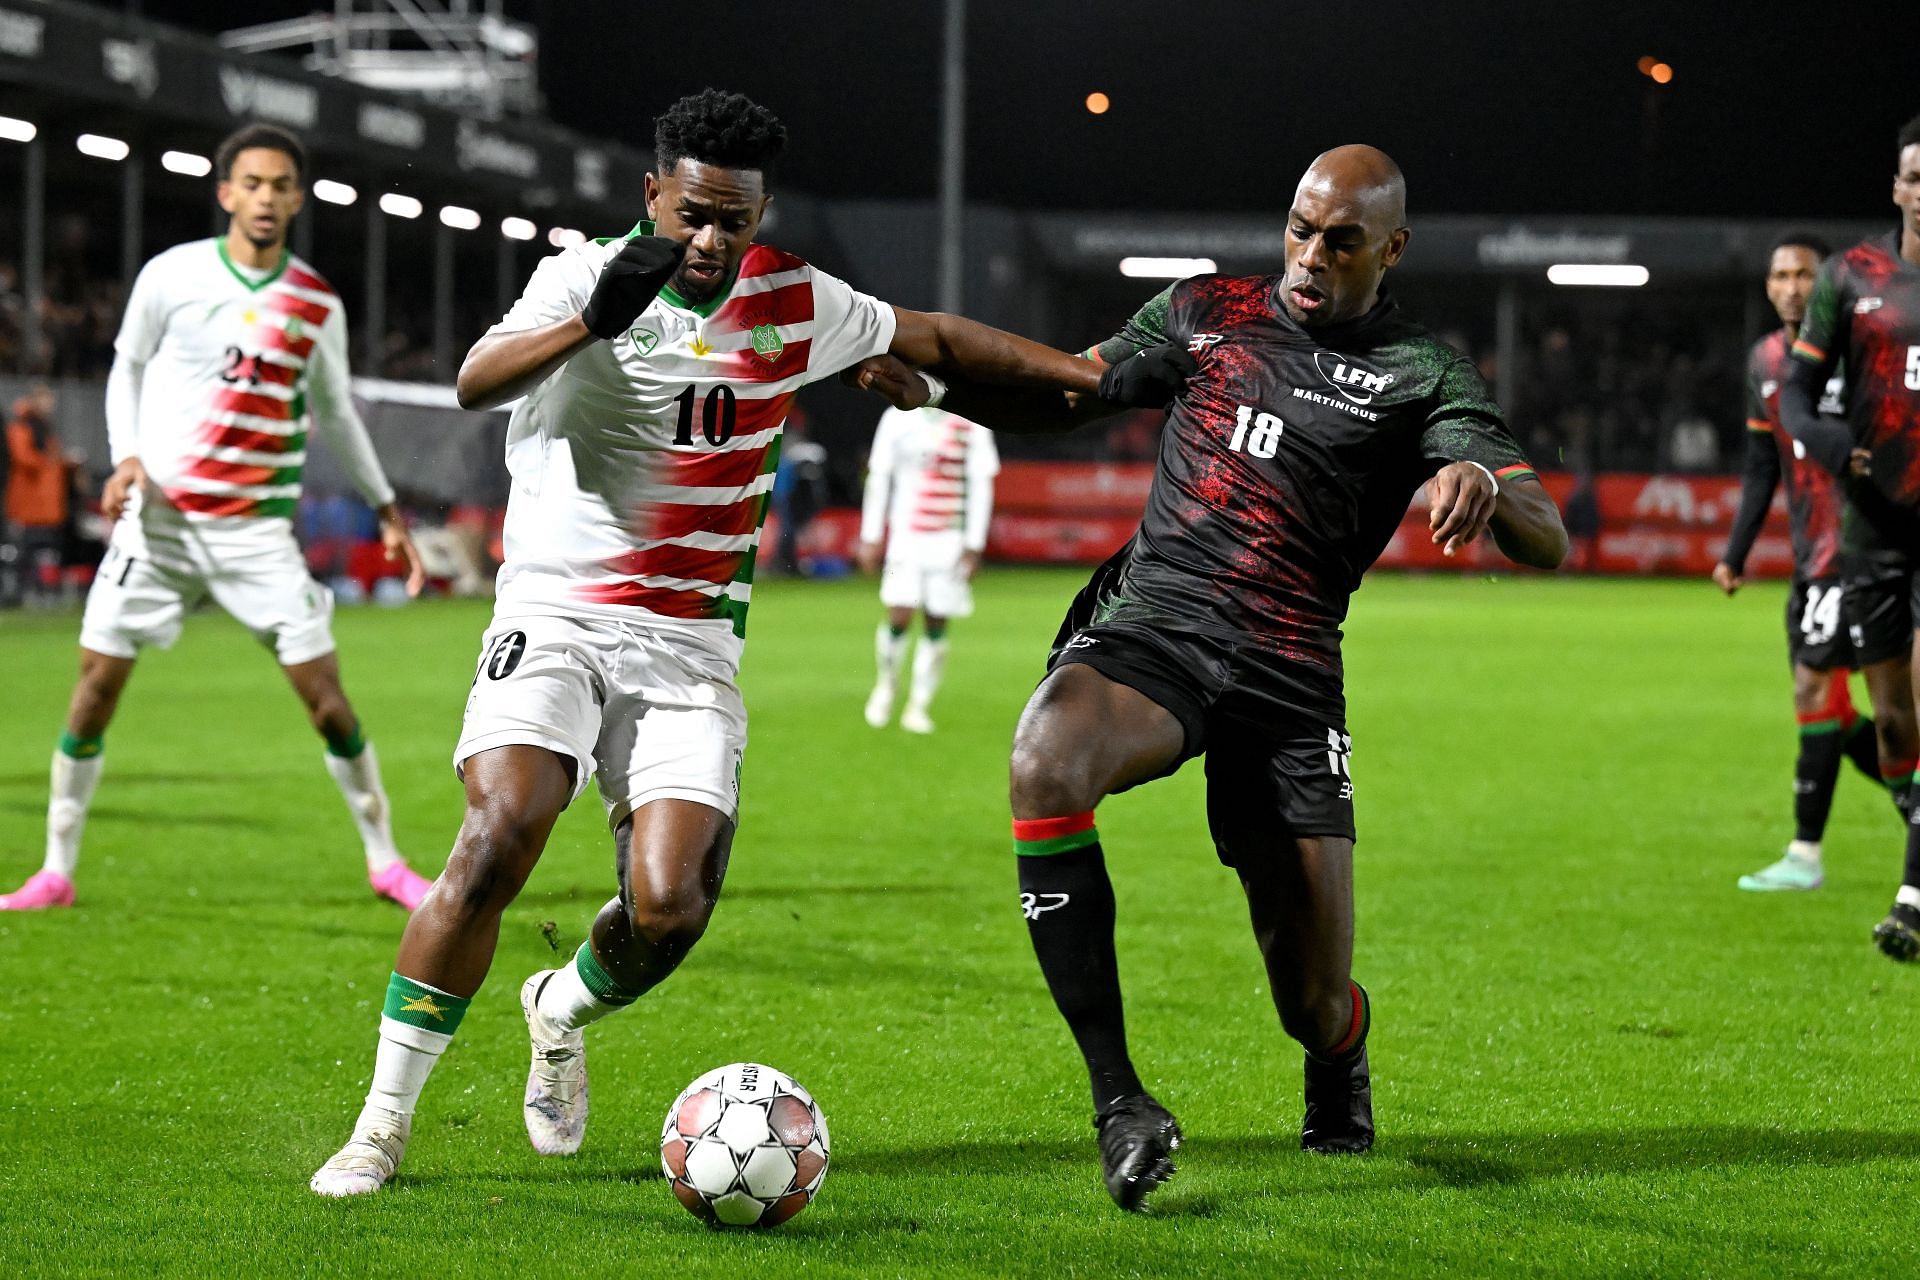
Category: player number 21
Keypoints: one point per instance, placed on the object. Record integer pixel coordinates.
(1256, 433)
(717, 413)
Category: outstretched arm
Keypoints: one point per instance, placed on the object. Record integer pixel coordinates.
(963, 348)
(1466, 501)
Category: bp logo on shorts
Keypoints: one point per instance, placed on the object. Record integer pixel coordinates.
(767, 343)
(505, 655)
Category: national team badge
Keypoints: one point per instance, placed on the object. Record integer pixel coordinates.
(767, 343)
(295, 327)
(644, 340)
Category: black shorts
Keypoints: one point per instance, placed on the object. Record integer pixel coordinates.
(1818, 636)
(1882, 605)
(1277, 747)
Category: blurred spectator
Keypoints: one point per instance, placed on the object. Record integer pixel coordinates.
(38, 482)
(799, 490)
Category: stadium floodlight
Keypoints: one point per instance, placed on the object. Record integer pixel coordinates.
(459, 218)
(1607, 274)
(334, 192)
(518, 229)
(565, 237)
(17, 130)
(101, 147)
(186, 163)
(1167, 268)
(401, 206)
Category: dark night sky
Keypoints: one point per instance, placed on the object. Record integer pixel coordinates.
(1491, 108)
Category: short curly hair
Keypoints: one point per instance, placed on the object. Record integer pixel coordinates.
(728, 130)
(266, 137)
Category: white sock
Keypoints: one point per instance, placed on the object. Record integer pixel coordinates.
(1805, 850)
(68, 796)
(401, 1066)
(1909, 895)
(568, 1003)
(889, 650)
(359, 781)
(929, 664)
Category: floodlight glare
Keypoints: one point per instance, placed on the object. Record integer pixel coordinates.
(1166, 268)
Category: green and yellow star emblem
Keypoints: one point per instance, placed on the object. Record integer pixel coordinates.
(424, 1004)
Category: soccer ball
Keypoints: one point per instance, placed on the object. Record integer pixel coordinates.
(744, 1146)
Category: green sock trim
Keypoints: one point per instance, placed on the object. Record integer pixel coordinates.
(1819, 726)
(895, 632)
(598, 980)
(936, 633)
(1058, 844)
(82, 748)
(419, 1005)
(349, 746)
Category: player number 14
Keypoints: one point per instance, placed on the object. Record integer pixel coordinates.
(1256, 433)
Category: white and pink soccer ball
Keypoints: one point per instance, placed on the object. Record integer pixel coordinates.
(744, 1146)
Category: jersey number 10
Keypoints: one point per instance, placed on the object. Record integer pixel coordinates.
(717, 413)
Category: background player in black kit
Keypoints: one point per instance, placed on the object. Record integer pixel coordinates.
(1315, 412)
(1818, 644)
(1865, 313)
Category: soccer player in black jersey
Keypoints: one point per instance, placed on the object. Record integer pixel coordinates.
(1818, 644)
(1865, 314)
(1313, 412)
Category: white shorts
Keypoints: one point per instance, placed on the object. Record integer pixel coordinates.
(933, 583)
(157, 570)
(648, 713)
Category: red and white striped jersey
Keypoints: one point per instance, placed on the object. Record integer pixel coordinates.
(642, 467)
(930, 476)
(218, 372)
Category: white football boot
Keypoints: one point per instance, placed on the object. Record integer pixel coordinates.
(363, 1166)
(915, 719)
(880, 705)
(556, 1104)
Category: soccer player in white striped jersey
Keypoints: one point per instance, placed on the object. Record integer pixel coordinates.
(657, 370)
(929, 498)
(230, 349)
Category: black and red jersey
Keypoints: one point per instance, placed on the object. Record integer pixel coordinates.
(1288, 462)
(1865, 312)
(1814, 495)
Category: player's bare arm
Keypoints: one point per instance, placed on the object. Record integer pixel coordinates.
(948, 344)
(1149, 379)
(127, 477)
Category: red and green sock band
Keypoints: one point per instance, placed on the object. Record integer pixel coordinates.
(1898, 773)
(1357, 1027)
(79, 748)
(419, 1005)
(597, 980)
(1821, 721)
(1041, 837)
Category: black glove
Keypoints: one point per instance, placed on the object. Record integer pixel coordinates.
(629, 282)
(1149, 379)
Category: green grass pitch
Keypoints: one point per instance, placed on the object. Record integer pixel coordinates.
(1592, 1054)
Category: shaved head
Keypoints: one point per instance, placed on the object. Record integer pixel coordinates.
(1348, 224)
(1363, 177)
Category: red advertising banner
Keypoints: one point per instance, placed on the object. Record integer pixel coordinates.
(1081, 512)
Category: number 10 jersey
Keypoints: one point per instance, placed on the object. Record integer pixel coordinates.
(642, 467)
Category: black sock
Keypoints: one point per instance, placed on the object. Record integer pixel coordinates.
(1068, 902)
(1814, 775)
(1863, 748)
(1911, 874)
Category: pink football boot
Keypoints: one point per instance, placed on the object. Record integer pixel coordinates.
(43, 889)
(399, 882)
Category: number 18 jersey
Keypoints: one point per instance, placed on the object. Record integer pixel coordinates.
(642, 467)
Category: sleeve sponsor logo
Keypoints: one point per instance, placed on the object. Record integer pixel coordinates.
(1866, 305)
(1199, 342)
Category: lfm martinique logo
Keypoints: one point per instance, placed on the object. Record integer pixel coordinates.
(1350, 380)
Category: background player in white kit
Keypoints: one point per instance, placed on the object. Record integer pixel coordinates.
(657, 370)
(929, 497)
(222, 343)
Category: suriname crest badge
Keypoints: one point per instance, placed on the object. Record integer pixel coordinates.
(767, 343)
